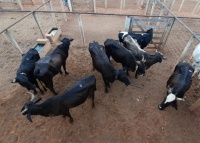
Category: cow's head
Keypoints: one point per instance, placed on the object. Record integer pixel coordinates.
(141, 67)
(122, 76)
(27, 108)
(23, 80)
(170, 99)
(160, 56)
(31, 56)
(66, 41)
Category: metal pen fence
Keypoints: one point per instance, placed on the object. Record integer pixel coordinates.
(182, 39)
(79, 27)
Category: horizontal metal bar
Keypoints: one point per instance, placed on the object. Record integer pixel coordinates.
(152, 20)
(152, 26)
(89, 13)
(49, 11)
(153, 32)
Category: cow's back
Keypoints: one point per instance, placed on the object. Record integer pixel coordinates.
(181, 79)
(28, 62)
(79, 92)
(101, 61)
(116, 50)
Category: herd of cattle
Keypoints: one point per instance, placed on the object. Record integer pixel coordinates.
(128, 51)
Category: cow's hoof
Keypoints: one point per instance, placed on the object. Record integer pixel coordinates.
(42, 92)
(45, 89)
(93, 106)
(106, 91)
(71, 121)
(66, 73)
(34, 92)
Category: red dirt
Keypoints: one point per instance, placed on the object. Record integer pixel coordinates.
(125, 114)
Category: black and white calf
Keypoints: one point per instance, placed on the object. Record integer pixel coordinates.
(142, 39)
(140, 54)
(60, 105)
(102, 64)
(25, 75)
(178, 83)
(121, 55)
(49, 66)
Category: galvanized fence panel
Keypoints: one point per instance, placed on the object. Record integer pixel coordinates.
(179, 40)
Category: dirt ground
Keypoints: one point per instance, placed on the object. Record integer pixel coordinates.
(127, 114)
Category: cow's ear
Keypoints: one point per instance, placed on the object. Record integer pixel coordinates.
(28, 116)
(174, 104)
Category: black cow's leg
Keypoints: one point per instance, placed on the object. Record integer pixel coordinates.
(127, 72)
(49, 84)
(41, 91)
(64, 67)
(93, 106)
(136, 74)
(43, 86)
(35, 91)
(68, 115)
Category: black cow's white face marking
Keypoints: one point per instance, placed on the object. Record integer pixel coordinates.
(80, 85)
(124, 33)
(171, 97)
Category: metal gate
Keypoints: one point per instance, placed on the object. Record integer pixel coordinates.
(161, 27)
(82, 6)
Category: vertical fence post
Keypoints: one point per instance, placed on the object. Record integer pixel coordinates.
(138, 2)
(181, 5)
(121, 3)
(147, 6)
(70, 6)
(45, 7)
(167, 34)
(152, 9)
(80, 23)
(198, 8)
(63, 9)
(106, 3)
(9, 36)
(20, 4)
(53, 14)
(187, 48)
(142, 2)
(38, 23)
(94, 6)
(127, 23)
(124, 4)
(171, 4)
